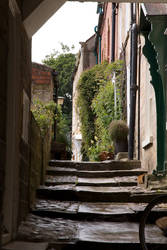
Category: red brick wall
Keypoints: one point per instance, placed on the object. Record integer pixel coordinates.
(42, 82)
(41, 74)
(106, 33)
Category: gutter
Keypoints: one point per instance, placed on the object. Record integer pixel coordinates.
(98, 36)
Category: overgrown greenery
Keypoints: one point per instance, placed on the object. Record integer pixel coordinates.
(64, 64)
(97, 106)
(44, 114)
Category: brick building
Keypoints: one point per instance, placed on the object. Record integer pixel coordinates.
(127, 31)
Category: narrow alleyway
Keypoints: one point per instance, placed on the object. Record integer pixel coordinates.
(87, 206)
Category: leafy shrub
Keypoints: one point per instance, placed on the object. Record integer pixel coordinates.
(44, 114)
(118, 130)
(97, 107)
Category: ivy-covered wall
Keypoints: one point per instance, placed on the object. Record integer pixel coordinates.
(99, 102)
(39, 157)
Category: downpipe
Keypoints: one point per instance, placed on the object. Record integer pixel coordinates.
(133, 89)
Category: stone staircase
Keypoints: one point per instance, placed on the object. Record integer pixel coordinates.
(88, 205)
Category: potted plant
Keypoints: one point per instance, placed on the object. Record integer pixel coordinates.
(107, 154)
(118, 131)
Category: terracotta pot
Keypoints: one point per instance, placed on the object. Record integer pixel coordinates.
(104, 155)
(121, 146)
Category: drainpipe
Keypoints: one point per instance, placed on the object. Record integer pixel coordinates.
(133, 86)
(139, 61)
(113, 32)
(99, 49)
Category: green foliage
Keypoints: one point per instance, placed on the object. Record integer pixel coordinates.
(97, 107)
(64, 64)
(118, 130)
(44, 115)
(62, 128)
(88, 86)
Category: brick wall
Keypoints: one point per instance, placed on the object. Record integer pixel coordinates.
(106, 33)
(42, 83)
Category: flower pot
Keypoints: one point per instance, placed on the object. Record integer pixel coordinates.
(104, 155)
(121, 146)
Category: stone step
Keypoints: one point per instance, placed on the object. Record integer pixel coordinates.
(20, 245)
(105, 182)
(89, 211)
(95, 166)
(108, 182)
(94, 194)
(60, 180)
(80, 235)
(93, 174)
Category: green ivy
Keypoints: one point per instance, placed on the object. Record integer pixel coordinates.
(97, 107)
(44, 114)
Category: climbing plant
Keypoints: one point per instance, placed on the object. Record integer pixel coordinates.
(44, 114)
(98, 106)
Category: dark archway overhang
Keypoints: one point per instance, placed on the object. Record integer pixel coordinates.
(153, 26)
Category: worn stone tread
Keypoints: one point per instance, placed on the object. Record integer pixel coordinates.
(22, 245)
(56, 230)
(60, 180)
(88, 210)
(115, 181)
(109, 189)
(112, 173)
(93, 174)
(105, 165)
(38, 229)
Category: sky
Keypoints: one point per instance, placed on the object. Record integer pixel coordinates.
(74, 22)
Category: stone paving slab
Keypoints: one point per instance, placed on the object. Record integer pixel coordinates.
(60, 180)
(118, 190)
(110, 208)
(38, 229)
(58, 171)
(115, 181)
(21, 245)
(104, 165)
(57, 206)
(115, 232)
(89, 207)
(112, 173)
(92, 193)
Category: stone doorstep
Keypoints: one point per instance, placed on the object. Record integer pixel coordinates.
(94, 174)
(22, 245)
(104, 165)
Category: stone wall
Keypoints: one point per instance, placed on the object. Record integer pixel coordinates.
(35, 159)
(15, 64)
(3, 96)
(39, 157)
(24, 165)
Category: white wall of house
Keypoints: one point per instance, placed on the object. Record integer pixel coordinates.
(76, 125)
(147, 96)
